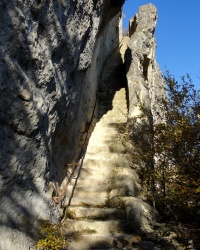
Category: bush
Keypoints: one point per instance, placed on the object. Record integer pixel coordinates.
(52, 237)
(170, 150)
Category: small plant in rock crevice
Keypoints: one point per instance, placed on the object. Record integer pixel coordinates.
(52, 237)
(70, 214)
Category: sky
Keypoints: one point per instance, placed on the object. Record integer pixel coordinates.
(177, 35)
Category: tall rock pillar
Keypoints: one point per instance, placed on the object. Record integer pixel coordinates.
(145, 88)
(143, 75)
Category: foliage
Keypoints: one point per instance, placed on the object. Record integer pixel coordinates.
(171, 173)
(53, 238)
(177, 142)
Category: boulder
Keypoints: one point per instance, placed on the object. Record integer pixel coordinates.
(140, 215)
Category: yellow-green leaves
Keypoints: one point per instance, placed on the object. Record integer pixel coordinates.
(53, 237)
(169, 151)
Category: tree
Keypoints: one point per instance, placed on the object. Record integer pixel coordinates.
(177, 143)
(174, 180)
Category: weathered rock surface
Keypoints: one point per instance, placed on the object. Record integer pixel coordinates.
(145, 82)
(52, 55)
(140, 215)
(145, 88)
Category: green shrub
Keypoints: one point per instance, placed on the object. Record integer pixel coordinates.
(52, 237)
(168, 152)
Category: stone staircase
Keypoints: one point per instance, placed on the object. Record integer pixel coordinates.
(96, 217)
(105, 209)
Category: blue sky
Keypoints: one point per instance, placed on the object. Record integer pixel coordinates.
(177, 35)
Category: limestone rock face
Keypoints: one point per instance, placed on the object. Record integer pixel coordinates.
(145, 82)
(51, 59)
(145, 89)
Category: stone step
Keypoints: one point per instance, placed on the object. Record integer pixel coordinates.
(94, 202)
(109, 116)
(117, 148)
(109, 157)
(101, 183)
(116, 185)
(104, 129)
(117, 202)
(105, 167)
(90, 192)
(92, 147)
(108, 160)
(102, 140)
(99, 139)
(106, 180)
(109, 127)
(115, 125)
(103, 171)
(114, 161)
(104, 135)
(114, 116)
(107, 112)
(104, 192)
(88, 227)
(104, 125)
(105, 176)
(104, 241)
(95, 213)
(102, 149)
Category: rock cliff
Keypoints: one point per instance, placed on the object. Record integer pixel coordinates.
(52, 60)
(145, 87)
(52, 55)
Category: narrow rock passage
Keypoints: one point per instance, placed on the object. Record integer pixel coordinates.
(104, 150)
(96, 215)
